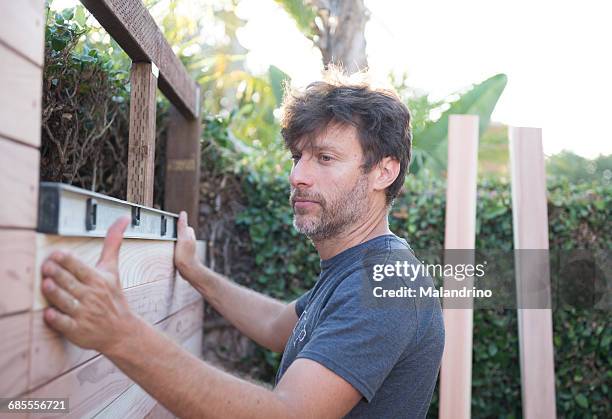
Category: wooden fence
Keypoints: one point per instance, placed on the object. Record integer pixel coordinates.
(34, 360)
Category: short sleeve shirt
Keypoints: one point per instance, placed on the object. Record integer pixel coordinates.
(389, 353)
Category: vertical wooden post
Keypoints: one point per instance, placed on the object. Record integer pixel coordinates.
(530, 224)
(460, 230)
(141, 154)
(182, 184)
(22, 57)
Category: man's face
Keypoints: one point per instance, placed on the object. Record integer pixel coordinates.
(329, 191)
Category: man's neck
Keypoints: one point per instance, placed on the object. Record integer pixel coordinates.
(356, 234)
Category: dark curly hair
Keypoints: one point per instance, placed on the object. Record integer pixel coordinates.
(381, 119)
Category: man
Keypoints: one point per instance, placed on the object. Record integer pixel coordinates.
(342, 356)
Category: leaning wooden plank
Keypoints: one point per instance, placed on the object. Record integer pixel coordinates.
(52, 355)
(137, 403)
(93, 385)
(460, 233)
(19, 168)
(182, 191)
(141, 148)
(21, 98)
(132, 26)
(140, 261)
(14, 352)
(530, 224)
(17, 261)
(23, 29)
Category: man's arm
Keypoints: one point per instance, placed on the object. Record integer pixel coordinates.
(267, 321)
(90, 309)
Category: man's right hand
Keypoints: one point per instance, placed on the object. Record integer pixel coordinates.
(185, 257)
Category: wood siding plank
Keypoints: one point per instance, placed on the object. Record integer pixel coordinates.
(137, 403)
(19, 171)
(140, 261)
(52, 355)
(22, 28)
(14, 353)
(93, 385)
(17, 264)
(21, 98)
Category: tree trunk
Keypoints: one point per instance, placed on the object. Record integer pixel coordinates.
(341, 33)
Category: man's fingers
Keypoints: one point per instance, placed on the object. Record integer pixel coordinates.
(109, 259)
(60, 298)
(80, 270)
(63, 278)
(59, 321)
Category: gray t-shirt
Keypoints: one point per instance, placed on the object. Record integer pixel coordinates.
(391, 353)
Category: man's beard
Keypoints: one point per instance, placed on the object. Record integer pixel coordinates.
(334, 216)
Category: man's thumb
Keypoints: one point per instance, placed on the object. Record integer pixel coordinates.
(181, 230)
(112, 243)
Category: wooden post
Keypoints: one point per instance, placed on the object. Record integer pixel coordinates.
(460, 233)
(182, 189)
(530, 224)
(141, 154)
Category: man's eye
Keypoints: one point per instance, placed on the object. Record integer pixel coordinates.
(325, 157)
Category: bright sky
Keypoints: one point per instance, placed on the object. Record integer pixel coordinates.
(556, 55)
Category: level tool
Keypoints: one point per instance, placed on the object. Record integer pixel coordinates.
(70, 211)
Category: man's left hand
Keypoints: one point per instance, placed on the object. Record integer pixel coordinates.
(87, 303)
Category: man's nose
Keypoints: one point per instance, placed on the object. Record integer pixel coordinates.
(301, 174)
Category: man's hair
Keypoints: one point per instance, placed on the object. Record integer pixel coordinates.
(381, 119)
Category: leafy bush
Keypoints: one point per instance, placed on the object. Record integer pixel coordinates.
(85, 110)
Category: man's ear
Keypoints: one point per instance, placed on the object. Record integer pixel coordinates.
(386, 172)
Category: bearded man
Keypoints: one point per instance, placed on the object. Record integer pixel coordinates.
(342, 355)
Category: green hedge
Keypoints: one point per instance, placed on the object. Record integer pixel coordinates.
(286, 264)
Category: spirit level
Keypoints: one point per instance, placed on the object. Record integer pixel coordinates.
(70, 211)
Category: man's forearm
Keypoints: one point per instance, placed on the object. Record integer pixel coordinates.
(186, 385)
(250, 312)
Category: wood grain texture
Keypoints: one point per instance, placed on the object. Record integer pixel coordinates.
(141, 148)
(460, 233)
(17, 262)
(19, 168)
(160, 412)
(52, 355)
(137, 403)
(21, 98)
(132, 26)
(93, 385)
(133, 403)
(14, 353)
(182, 183)
(22, 28)
(140, 261)
(530, 224)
